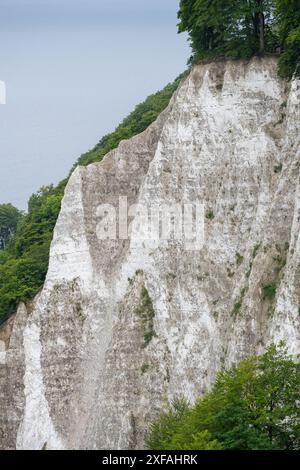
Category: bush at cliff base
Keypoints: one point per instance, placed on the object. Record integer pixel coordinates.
(253, 406)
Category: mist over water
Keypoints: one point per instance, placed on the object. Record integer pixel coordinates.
(73, 70)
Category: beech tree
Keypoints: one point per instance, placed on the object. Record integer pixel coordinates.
(288, 22)
(223, 27)
(243, 28)
(253, 406)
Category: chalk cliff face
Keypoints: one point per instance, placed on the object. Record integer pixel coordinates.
(121, 326)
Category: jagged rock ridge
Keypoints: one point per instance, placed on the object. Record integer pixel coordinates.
(77, 371)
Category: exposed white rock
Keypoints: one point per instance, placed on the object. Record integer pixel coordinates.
(229, 139)
(36, 406)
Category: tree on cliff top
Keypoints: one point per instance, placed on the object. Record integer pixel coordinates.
(236, 29)
(9, 218)
(288, 19)
(243, 28)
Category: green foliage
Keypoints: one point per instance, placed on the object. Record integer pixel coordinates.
(201, 440)
(10, 216)
(145, 368)
(240, 29)
(238, 305)
(288, 14)
(236, 29)
(24, 262)
(253, 406)
(290, 59)
(162, 431)
(239, 259)
(236, 309)
(210, 215)
(269, 291)
(278, 168)
(146, 313)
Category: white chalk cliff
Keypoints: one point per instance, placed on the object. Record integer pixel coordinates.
(78, 372)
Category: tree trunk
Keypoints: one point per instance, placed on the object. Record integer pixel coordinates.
(259, 25)
(210, 39)
(261, 28)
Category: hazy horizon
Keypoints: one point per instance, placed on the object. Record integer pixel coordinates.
(73, 70)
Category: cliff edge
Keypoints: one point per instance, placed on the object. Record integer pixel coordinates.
(123, 325)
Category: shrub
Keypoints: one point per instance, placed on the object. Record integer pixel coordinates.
(269, 291)
(253, 406)
(146, 313)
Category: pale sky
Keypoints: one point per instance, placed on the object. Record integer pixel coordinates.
(73, 70)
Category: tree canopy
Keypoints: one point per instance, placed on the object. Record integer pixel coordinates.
(253, 406)
(9, 218)
(243, 28)
(288, 22)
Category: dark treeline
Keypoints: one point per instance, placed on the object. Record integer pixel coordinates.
(253, 406)
(243, 28)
